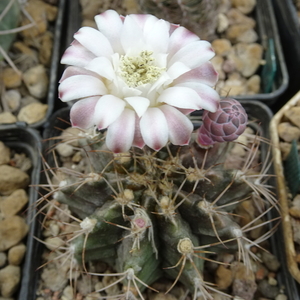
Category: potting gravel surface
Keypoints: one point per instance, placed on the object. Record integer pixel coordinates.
(14, 181)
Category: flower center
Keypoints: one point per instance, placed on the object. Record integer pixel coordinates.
(139, 70)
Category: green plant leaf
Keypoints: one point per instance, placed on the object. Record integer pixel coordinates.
(9, 21)
(292, 169)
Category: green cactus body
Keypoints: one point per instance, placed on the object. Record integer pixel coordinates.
(148, 214)
(10, 20)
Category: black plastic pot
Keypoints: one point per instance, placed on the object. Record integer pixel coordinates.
(259, 116)
(26, 140)
(274, 75)
(289, 30)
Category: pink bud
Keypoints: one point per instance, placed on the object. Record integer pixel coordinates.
(224, 125)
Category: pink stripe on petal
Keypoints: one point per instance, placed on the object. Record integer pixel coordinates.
(77, 55)
(206, 74)
(82, 113)
(72, 71)
(120, 134)
(108, 109)
(95, 41)
(209, 98)
(154, 128)
(81, 86)
(144, 21)
(110, 24)
(193, 54)
(181, 97)
(180, 36)
(180, 127)
(138, 139)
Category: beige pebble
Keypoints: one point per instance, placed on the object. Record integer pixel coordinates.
(285, 149)
(244, 6)
(223, 277)
(14, 203)
(11, 100)
(11, 179)
(45, 52)
(16, 254)
(5, 154)
(36, 81)
(65, 150)
(53, 243)
(223, 23)
(237, 17)
(89, 8)
(33, 113)
(68, 292)
(41, 13)
(7, 118)
(251, 56)
(9, 280)
(11, 78)
(293, 114)
(239, 33)
(12, 230)
(288, 132)
(71, 135)
(3, 259)
(294, 211)
(253, 84)
(221, 46)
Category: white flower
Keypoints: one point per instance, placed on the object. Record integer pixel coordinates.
(138, 77)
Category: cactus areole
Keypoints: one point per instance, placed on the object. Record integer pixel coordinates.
(154, 197)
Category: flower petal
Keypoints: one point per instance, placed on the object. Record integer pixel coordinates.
(180, 36)
(120, 134)
(72, 71)
(110, 24)
(154, 128)
(131, 35)
(209, 97)
(181, 97)
(206, 74)
(193, 54)
(94, 41)
(158, 37)
(102, 66)
(81, 86)
(139, 104)
(82, 113)
(177, 69)
(108, 109)
(77, 55)
(180, 127)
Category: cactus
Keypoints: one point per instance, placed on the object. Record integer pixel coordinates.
(155, 199)
(149, 214)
